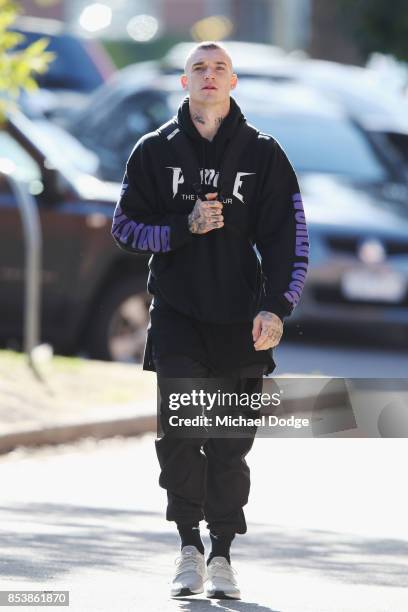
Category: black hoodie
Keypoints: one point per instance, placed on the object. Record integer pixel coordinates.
(214, 277)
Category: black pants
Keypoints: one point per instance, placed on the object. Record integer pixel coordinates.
(206, 478)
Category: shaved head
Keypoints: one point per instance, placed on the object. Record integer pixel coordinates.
(209, 77)
(207, 46)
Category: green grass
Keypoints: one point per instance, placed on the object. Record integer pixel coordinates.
(7, 355)
(58, 361)
(85, 380)
(62, 363)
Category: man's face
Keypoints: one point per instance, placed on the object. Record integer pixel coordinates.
(209, 77)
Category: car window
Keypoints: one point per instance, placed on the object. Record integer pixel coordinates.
(20, 163)
(134, 116)
(127, 130)
(97, 112)
(322, 144)
(400, 141)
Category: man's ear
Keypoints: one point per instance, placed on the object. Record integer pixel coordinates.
(234, 80)
(184, 81)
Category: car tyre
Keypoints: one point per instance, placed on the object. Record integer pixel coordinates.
(118, 331)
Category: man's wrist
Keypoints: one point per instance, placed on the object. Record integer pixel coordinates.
(192, 224)
(270, 312)
(278, 316)
(276, 305)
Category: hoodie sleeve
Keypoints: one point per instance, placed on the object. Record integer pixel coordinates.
(140, 222)
(282, 237)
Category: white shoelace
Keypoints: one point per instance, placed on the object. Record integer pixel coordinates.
(224, 571)
(186, 562)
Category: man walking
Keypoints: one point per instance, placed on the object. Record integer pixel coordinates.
(200, 194)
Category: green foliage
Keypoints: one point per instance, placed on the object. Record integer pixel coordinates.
(378, 25)
(18, 68)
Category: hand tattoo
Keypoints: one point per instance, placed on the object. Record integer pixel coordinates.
(205, 216)
(196, 224)
(272, 329)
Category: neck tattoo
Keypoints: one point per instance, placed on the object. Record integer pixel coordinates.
(199, 119)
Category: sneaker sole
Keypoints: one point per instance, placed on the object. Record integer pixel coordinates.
(185, 592)
(222, 595)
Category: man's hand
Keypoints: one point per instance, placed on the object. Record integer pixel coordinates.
(206, 215)
(266, 331)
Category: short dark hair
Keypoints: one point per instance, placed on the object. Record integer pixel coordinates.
(209, 44)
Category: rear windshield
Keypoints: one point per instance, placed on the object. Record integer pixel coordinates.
(322, 144)
(73, 67)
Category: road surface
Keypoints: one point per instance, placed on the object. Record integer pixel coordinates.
(327, 527)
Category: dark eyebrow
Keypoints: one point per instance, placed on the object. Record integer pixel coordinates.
(201, 63)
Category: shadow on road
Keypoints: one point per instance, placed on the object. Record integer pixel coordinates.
(50, 540)
(189, 604)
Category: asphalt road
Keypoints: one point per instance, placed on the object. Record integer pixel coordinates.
(327, 527)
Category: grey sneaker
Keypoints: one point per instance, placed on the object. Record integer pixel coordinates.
(222, 582)
(190, 573)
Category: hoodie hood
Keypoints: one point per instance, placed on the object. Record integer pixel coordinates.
(225, 131)
(210, 153)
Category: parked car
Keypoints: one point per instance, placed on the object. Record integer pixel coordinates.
(138, 100)
(80, 66)
(94, 298)
(121, 111)
(355, 195)
(360, 91)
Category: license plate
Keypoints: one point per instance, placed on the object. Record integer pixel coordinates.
(387, 286)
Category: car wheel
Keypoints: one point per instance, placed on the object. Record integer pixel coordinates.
(119, 330)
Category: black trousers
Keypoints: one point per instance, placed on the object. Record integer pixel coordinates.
(206, 478)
